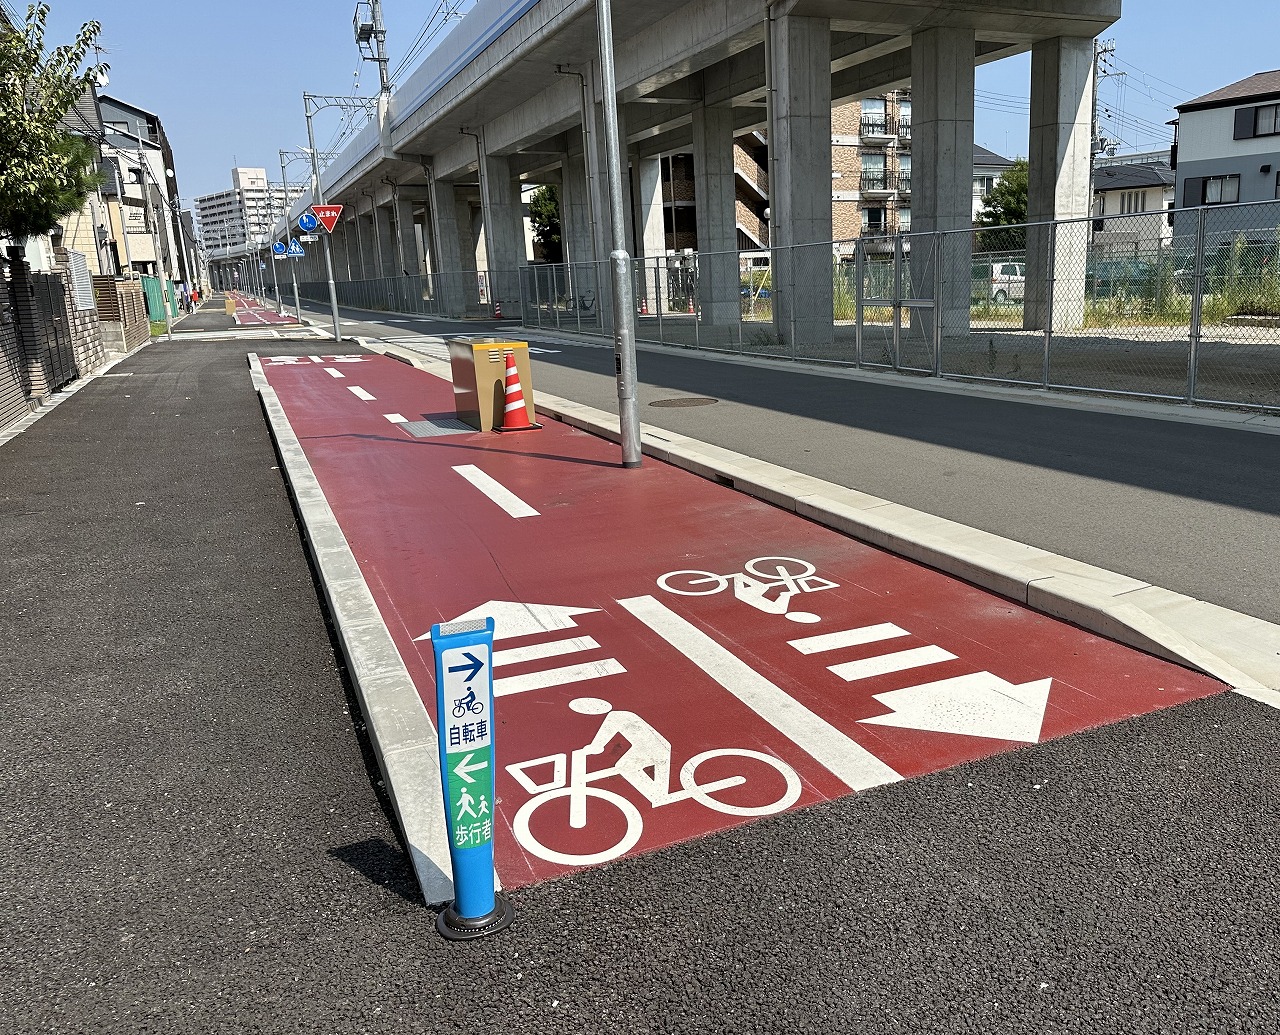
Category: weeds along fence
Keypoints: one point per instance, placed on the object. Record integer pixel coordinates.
(1176, 305)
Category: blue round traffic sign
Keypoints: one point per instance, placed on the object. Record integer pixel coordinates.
(307, 222)
(279, 248)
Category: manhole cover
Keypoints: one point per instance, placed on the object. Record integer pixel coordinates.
(685, 400)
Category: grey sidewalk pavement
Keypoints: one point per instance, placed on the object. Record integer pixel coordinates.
(197, 841)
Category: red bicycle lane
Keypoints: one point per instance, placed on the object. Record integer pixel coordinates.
(723, 658)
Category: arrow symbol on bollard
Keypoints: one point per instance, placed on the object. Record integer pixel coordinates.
(472, 670)
(464, 770)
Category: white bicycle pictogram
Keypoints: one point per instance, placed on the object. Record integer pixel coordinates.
(754, 584)
(647, 750)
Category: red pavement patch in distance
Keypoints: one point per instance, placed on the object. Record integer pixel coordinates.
(673, 657)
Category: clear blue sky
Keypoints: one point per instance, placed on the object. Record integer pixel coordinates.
(227, 78)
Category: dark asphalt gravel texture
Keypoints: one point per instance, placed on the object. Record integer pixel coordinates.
(195, 840)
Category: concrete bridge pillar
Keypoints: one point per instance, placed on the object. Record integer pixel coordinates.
(1059, 160)
(715, 194)
(450, 285)
(801, 76)
(942, 167)
(504, 240)
(646, 189)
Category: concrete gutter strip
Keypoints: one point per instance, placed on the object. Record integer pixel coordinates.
(401, 731)
(1240, 650)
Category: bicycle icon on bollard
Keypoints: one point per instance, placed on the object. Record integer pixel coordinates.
(468, 703)
(647, 752)
(760, 577)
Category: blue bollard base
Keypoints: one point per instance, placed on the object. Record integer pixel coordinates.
(461, 929)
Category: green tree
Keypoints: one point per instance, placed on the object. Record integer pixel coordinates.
(47, 172)
(1005, 206)
(544, 213)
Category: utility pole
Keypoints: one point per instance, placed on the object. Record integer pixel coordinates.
(1102, 49)
(371, 37)
(155, 243)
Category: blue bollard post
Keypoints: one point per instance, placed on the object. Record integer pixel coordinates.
(464, 716)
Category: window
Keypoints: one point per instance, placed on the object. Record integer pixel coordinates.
(904, 220)
(982, 185)
(904, 172)
(873, 220)
(1266, 120)
(873, 174)
(1221, 190)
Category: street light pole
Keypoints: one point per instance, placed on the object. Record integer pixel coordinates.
(319, 194)
(624, 307)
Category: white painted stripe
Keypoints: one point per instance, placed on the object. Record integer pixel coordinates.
(847, 638)
(360, 393)
(885, 663)
(517, 405)
(334, 373)
(395, 418)
(315, 359)
(846, 758)
(556, 677)
(538, 651)
(496, 491)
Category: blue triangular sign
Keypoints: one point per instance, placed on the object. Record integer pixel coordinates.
(295, 249)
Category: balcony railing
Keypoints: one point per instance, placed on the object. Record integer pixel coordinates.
(904, 128)
(878, 182)
(877, 126)
(904, 183)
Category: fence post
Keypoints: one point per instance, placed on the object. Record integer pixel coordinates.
(859, 298)
(897, 300)
(1197, 308)
(1052, 250)
(937, 302)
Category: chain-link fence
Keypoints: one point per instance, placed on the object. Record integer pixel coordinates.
(1181, 304)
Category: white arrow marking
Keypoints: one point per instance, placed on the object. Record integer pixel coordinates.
(464, 770)
(512, 618)
(846, 758)
(976, 705)
(496, 491)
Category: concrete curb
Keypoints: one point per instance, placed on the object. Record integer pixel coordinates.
(402, 733)
(1240, 650)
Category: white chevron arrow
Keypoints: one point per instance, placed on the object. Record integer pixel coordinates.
(976, 705)
(512, 618)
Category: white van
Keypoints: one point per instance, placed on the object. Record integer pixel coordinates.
(999, 281)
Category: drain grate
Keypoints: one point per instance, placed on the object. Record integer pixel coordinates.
(685, 400)
(438, 426)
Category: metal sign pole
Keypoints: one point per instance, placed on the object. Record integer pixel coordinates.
(624, 307)
(319, 192)
(464, 717)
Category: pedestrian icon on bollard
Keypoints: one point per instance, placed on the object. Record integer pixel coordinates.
(464, 710)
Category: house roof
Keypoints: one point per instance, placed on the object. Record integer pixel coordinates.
(981, 156)
(1258, 87)
(1131, 177)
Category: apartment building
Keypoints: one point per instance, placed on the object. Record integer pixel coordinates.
(232, 220)
(870, 178)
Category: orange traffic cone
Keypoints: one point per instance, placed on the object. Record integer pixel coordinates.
(644, 306)
(515, 415)
(497, 310)
(690, 305)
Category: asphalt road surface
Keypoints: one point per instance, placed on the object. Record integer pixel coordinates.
(195, 839)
